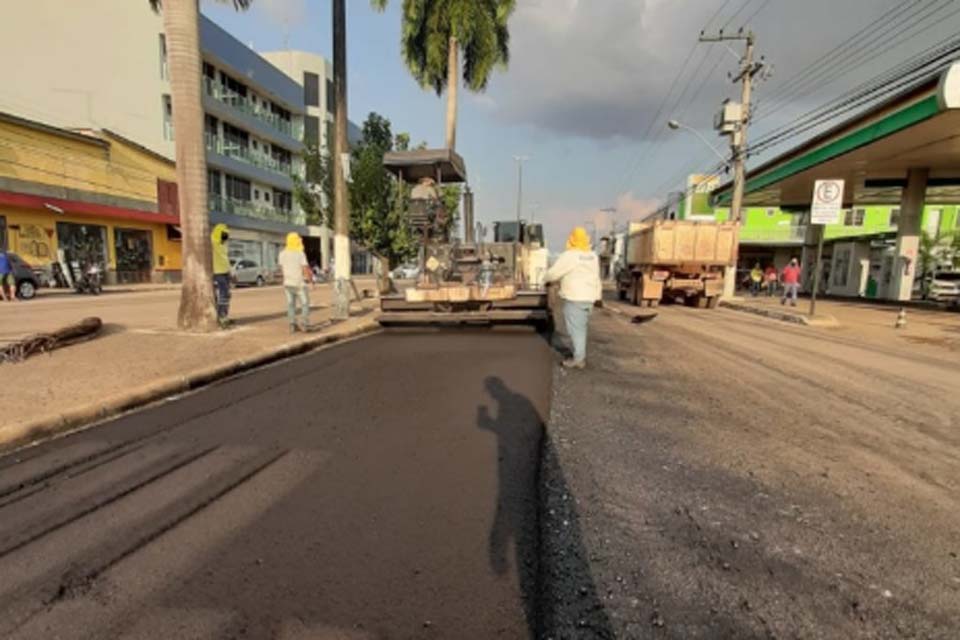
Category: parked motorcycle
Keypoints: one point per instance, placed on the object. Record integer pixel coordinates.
(87, 279)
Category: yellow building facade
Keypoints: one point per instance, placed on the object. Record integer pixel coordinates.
(87, 196)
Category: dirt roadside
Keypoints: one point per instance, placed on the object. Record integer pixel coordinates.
(715, 475)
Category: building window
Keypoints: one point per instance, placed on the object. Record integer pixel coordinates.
(854, 217)
(283, 200)
(163, 57)
(895, 217)
(238, 188)
(266, 196)
(311, 89)
(256, 194)
(235, 139)
(167, 106)
(311, 131)
(213, 182)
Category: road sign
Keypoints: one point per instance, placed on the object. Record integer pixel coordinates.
(827, 202)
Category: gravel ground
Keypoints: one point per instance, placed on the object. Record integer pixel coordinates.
(715, 475)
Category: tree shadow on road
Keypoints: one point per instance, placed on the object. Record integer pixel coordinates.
(520, 508)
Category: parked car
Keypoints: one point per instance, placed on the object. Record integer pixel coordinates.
(405, 272)
(26, 279)
(944, 287)
(248, 272)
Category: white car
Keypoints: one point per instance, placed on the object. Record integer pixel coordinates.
(248, 272)
(944, 287)
(406, 272)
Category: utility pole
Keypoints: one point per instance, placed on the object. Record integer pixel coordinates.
(341, 203)
(738, 131)
(516, 240)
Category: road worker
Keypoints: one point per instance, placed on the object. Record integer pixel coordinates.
(221, 273)
(578, 272)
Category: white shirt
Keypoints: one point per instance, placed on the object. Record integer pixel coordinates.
(292, 264)
(579, 276)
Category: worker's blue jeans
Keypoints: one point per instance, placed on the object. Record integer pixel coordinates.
(576, 316)
(295, 294)
(221, 290)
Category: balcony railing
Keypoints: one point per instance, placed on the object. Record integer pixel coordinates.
(249, 209)
(243, 153)
(783, 234)
(221, 93)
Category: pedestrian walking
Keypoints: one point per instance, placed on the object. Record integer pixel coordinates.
(756, 280)
(296, 274)
(221, 273)
(770, 276)
(578, 272)
(8, 282)
(791, 282)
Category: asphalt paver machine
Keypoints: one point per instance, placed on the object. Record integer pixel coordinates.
(462, 280)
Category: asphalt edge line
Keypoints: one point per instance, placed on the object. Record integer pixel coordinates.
(18, 437)
(766, 313)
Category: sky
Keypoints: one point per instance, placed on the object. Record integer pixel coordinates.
(587, 77)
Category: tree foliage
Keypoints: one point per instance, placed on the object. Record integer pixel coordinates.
(378, 204)
(480, 30)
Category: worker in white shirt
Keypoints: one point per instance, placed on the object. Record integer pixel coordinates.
(578, 272)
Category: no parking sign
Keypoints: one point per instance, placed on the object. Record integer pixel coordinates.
(827, 202)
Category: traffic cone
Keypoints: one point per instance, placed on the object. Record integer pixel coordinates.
(901, 319)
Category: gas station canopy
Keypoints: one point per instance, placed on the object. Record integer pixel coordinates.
(872, 152)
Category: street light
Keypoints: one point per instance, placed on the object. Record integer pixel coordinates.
(675, 125)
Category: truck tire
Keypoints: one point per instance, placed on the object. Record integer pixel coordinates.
(713, 302)
(621, 293)
(637, 288)
(654, 303)
(701, 301)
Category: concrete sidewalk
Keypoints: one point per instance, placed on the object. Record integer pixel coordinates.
(929, 326)
(140, 356)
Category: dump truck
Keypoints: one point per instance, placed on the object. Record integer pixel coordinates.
(462, 280)
(677, 259)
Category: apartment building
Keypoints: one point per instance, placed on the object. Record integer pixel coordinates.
(60, 72)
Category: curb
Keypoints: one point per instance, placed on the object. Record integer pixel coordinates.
(17, 436)
(793, 318)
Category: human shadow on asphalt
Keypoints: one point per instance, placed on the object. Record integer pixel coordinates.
(520, 428)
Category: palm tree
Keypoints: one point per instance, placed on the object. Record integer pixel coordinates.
(435, 32)
(181, 26)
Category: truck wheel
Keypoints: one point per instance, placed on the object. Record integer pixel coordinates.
(701, 302)
(621, 293)
(654, 303)
(635, 296)
(713, 302)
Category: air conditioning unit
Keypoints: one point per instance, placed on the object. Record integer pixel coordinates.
(728, 118)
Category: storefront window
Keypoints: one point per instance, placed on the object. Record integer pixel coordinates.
(83, 243)
(133, 248)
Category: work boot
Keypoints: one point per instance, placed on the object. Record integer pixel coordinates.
(570, 363)
(223, 322)
(293, 328)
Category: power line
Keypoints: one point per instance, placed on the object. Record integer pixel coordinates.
(755, 13)
(734, 16)
(715, 15)
(887, 83)
(894, 18)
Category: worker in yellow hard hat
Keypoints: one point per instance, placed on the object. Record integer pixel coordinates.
(578, 272)
(296, 275)
(221, 272)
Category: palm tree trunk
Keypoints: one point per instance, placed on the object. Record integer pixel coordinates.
(181, 25)
(453, 73)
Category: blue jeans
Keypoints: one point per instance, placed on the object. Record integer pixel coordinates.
(576, 316)
(295, 294)
(221, 290)
(790, 291)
